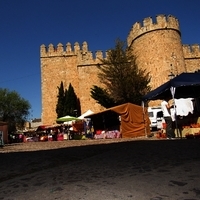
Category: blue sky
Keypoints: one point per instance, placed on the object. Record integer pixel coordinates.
(27, 24)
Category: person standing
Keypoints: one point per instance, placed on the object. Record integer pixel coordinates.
(165, 106)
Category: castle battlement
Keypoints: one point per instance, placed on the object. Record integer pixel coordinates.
(82, 53)
(191, 51)
(155, 43)
(162, 22)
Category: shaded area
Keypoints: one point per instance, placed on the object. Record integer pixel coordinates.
(147, 154)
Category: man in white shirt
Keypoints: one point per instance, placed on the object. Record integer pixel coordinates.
(168, 120)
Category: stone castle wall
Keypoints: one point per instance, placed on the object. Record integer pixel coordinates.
(74, 65)
(192, 57)
(157, 47)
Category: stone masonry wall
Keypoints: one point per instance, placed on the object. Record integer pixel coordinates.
(156, 45)
(192, 57)
(77, 67)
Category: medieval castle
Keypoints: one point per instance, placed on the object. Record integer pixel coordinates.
(156, 45)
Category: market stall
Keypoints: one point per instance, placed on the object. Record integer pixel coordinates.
(183, 86)
(127, 120)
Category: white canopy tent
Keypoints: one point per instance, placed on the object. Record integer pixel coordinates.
(87, 113)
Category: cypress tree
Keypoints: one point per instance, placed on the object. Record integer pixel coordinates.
(68, 102)
(71, 100)
(60, 102)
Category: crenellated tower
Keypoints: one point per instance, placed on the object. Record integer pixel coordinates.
(157, 47)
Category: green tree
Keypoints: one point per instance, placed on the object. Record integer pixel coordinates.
(102, 97)
(65, 110)
(13, 109)
(61, 98)
(68, 103)
(71, 102)
(122, 79)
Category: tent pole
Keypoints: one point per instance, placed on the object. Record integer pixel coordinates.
(176, 124)
(145, 130)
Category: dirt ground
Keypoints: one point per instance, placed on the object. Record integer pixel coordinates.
(48, 145)
(27, 157)
(120, 169)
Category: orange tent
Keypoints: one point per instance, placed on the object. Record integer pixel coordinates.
(132, 120)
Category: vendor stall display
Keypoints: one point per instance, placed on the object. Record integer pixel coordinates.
(182, 88)
(129, 119)
(107, 134)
